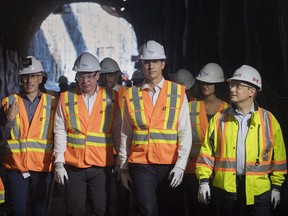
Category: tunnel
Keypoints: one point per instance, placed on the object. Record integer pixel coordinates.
(193, 32)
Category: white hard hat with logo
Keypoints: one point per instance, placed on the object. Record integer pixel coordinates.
(108, 65)
(184, 77)
(31, 65)
(211, 73)
(152, 50)
(86, 62)
(248, 74)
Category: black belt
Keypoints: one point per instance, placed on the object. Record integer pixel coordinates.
(241, 177)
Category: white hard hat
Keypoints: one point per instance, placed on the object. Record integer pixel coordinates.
(248, 74)
(86, 62)
(184, 77)
(211, 73)
(137, 75)
(108, 65)
(152, 50)
(30, 65)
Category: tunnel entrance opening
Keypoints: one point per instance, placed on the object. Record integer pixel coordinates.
(79, 27)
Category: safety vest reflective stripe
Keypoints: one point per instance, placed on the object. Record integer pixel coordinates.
(24, 145)
(173, 100)
(268, 137)
(136, 104)
(46, 114)
(107, 103)
(92, 140)
(194, 108)
(71, 106)
(207, 160)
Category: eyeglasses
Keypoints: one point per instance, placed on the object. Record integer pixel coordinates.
(238, 85)
(26, 77)
(88, 77)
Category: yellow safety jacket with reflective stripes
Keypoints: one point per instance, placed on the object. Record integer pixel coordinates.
(155, 129)
(199, 124)
(265, 153)
(2, 192)
(89, 138)
(30, 146)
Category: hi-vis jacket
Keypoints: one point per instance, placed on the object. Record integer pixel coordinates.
(265, 153)
(155, 129)
(2, 192)
(89, 138)
(199, 124)
(30, 146)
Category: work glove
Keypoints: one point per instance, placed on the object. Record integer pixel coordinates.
(275, 197)
(126, 179)
(60, 173)
(176, 177)
(204, 193)
(117, 172)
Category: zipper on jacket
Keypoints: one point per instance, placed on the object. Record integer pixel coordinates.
(257, 163)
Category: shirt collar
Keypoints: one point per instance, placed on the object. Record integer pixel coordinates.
(159, 85)
(252, 109)
(24, 95)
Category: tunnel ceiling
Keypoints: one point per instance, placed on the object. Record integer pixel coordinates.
(21, 19)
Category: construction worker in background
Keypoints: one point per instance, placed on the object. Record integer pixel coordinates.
(110, 72)
(27, 132)
(85, 132)
(137, 78)
(155, 137)
(185, 77)
(245, 151)
(63, 83)
(201, 111)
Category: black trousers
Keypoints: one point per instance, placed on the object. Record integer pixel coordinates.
(234, 204)
(88, 184)
(153, 193)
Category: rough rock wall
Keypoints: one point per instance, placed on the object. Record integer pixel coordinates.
(8, 71)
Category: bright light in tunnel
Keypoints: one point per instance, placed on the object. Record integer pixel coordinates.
(62, 37)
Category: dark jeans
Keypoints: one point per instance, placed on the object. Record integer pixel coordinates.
(234, 204)
(33, 190)
(92, 183)
(153, 193)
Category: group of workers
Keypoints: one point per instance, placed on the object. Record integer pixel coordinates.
(180, 149)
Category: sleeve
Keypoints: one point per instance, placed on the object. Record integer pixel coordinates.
(126, 138)
(279, 163)
(5, 125)
(60, 135)
(184, 135)
(116, 130)
(205, 162)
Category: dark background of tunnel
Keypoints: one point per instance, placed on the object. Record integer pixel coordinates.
(193, 32)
